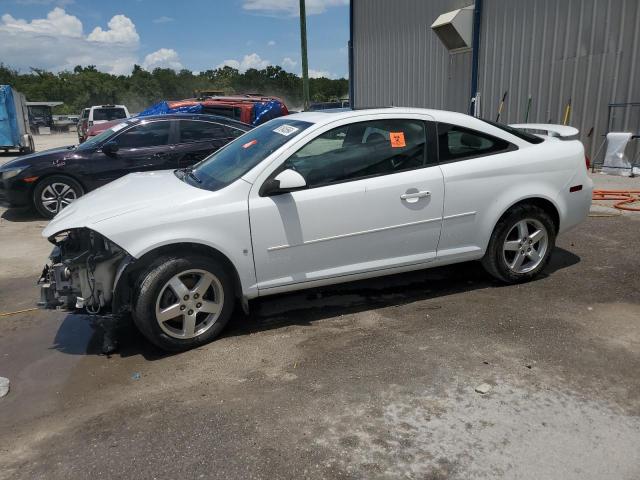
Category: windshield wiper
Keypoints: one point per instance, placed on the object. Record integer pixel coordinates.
(194, 176)
(189, 172)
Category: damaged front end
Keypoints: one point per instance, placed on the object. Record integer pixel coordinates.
(83, 272)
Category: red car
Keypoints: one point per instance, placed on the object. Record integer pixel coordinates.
(239, 108)
(251, 109)
(97, 129)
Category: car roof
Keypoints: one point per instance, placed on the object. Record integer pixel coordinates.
(324, 117)
(333, 114)
(192, 116)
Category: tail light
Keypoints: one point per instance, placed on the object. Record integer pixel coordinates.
(587, 162)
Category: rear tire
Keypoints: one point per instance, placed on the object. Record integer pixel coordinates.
(183, 302)
(54, 193)
(521, 244)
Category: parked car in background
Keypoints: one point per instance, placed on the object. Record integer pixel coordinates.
(253, 109)
(52, 179)
(315, 199)
(342, 103)
(62, 123)
(99, 114)
(97, 129)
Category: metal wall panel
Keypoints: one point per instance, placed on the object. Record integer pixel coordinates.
(398, 60)
(583, 50)
(553, 50)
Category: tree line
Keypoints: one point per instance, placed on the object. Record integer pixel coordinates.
(86, 86)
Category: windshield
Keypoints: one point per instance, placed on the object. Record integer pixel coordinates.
(93, 142)
(238, 157)
(108, 114)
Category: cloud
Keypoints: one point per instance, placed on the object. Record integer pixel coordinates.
(163, 19)
(56, 23)
(288, 62)
(291, 7)
(252, 60)
(121, 30)
(291, 65)
(58, 42)
(60, 3)
(319, 74)
(271, 43)
(163, 58)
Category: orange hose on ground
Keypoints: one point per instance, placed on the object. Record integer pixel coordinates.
(624, 197)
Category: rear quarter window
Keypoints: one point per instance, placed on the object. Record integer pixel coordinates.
(459, 143)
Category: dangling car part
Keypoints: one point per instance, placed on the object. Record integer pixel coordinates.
(82, 271)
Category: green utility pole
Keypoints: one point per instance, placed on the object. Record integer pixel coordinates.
(303, 48)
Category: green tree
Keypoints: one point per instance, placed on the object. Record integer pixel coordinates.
(86, 85)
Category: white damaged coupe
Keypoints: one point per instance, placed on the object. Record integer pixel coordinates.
(314, 199)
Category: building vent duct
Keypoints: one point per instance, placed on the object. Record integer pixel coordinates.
(455, 28)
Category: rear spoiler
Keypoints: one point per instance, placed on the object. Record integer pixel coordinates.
(552, 130)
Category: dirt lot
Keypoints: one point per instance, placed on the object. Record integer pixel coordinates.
(373, 379)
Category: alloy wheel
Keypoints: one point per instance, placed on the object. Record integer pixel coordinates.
(189, 304)
(525, 246)
(56, 196)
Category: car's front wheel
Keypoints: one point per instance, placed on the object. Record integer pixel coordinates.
(183, 302)
(521, 244)
(54, 194)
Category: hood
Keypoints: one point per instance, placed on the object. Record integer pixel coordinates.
(154, 192)
(39, 157)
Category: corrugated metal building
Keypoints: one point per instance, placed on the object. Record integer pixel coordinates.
(584, 50)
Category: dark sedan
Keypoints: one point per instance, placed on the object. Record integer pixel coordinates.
(52, 179)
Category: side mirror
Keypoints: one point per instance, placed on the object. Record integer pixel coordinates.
(110, 148)
(286, 181)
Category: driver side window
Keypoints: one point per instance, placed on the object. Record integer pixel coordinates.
(145, 135)
(360, 150)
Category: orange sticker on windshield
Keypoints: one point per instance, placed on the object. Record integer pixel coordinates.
(397, 139)
(250, 144)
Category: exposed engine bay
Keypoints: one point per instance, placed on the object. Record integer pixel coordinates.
(82, 272)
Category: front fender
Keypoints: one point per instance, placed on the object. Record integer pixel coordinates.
(224, 228)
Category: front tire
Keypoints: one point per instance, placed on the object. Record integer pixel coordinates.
(521, 245)
(183, 302)
(54, 193)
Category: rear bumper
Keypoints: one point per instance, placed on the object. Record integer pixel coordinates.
(578, 205)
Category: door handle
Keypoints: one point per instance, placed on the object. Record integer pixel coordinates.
(160, 154)
(415, 195)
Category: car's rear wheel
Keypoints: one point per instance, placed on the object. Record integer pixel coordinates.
(183, 302)
(54, 193)
(521, 244)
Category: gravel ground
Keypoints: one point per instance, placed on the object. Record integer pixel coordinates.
(374, 379)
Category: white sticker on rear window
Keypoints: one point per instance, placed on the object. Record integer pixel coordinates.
(119, 126)
(285, 130)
